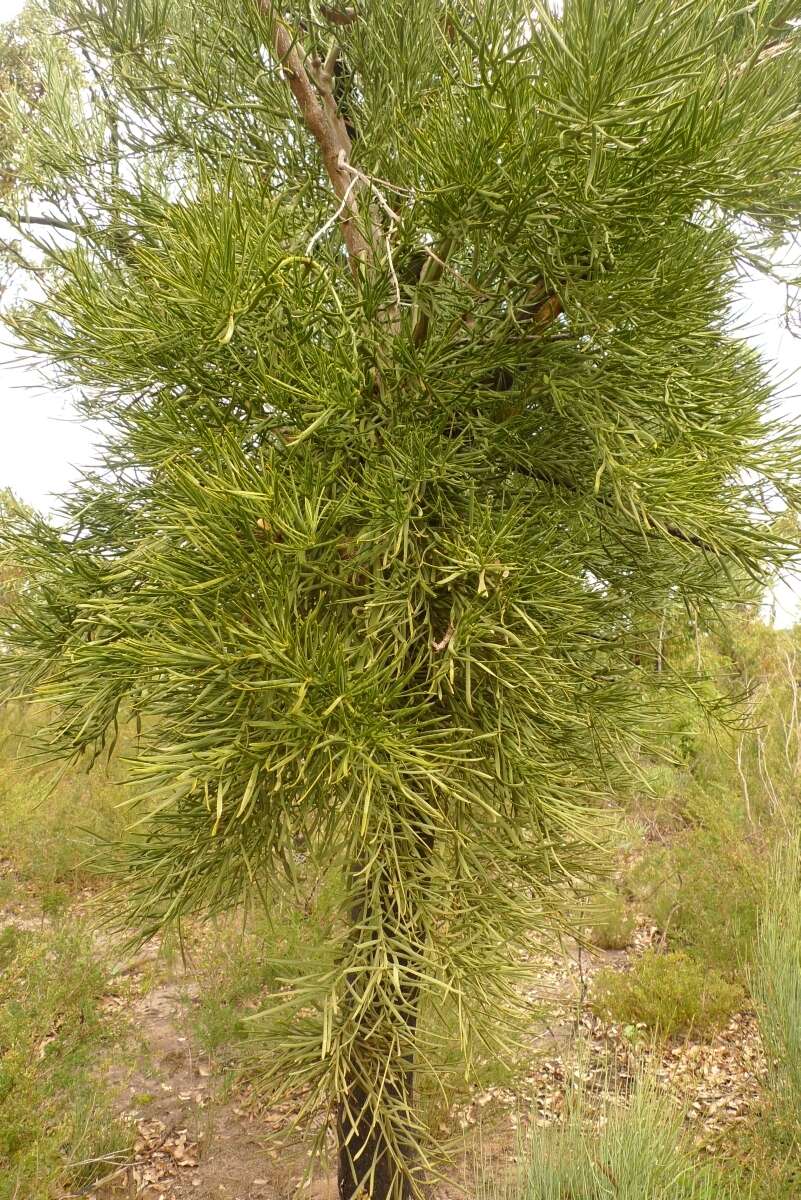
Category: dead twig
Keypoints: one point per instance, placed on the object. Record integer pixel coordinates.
(323, 230)
(339, 16)
(445, 639)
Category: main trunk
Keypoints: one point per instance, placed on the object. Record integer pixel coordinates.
(377, 1158)
(367, 1166)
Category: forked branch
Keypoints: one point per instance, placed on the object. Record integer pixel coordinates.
(323, 121)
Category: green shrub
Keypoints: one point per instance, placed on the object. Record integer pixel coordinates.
(634, 1151)
(612, 922)
(660, 800)
(679, 888)
(669, 993)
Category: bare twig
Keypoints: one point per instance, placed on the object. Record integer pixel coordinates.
(445, 639)
(18, 219)
(581, 994)
(392, 272)
(19, 259)
(764, 773)
(394, 220)
(791, 726)
(743, 777)
(674, 908)
(371, 183)
(331, 220)
(339, 16)
(772, 43)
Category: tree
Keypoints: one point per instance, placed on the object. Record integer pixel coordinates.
(20, 85)
(17, 75)
(409, 328)
(10, 579)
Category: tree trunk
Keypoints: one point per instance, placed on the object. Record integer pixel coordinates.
(367, 1167)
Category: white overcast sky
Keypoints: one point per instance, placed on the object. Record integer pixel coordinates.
(43, 444)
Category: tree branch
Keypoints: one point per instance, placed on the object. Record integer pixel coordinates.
(690, 539)
(338, 16)
(18, 219)
(326, 126)
(773, 42)
(19, 259)
(431, 271)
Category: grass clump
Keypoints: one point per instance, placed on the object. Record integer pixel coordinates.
(775, 980)
(764, 1152)
(635, 1149)
(668, 993)
(57, 1131)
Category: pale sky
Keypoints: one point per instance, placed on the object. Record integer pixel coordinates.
(44, 445)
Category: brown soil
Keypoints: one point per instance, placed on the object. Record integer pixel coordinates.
(192, 1140)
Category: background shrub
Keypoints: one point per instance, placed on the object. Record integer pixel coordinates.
(669, 993)
(612, 922)
(775, 979)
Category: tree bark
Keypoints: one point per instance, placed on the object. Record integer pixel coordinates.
(367, 1166)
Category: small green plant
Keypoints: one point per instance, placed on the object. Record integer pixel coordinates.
(635, 1150)
(612, 922)
(54, 900)
(9, 940)
(669, 993)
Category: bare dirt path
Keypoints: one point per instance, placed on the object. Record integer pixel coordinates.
(195, 1136)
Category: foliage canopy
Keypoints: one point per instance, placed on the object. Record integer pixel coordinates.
(408, 329)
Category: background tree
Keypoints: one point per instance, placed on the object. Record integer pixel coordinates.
(10, 578)
(408, 324)
(20, 91)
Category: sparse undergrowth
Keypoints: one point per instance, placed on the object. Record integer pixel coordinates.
(612, 923)
(57, 1129)
(635, 1148)
(49, 819)
(696, 864)
(677, 884)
